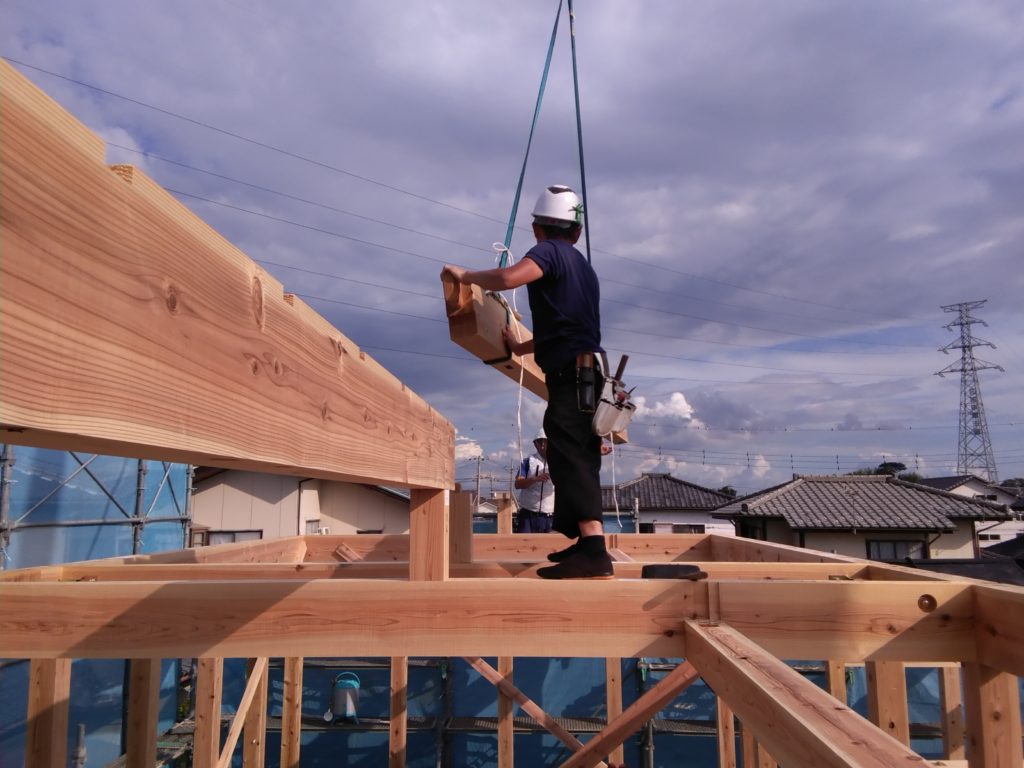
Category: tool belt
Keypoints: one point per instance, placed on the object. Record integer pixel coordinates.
(604, 396)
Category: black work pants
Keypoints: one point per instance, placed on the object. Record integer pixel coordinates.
(574, 455)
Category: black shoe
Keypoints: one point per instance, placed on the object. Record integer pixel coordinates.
(580, 566)
(560, 555)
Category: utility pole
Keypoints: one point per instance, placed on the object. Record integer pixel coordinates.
(476, 501)
(975, 446)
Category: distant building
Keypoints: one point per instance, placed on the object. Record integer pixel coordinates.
(873, 516)
(232, 505)
(661, 503)
(973, 487)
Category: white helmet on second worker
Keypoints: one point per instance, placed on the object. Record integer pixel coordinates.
(540, 435)
(558, 206)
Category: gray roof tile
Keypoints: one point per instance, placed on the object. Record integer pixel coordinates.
(661, 492)
(866, 502)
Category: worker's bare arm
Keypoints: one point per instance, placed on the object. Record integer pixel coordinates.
(516, 346)
(501, 279)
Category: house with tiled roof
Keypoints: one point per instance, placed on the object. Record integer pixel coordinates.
(975, 487)
(873, 516)
(661, 503)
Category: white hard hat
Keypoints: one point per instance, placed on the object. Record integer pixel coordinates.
(540, 435)
(558, 205)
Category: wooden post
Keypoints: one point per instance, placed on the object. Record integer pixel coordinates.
(951, 698)
(613, 695)
(46, 737)
(399, 711)
(992, 703)
(506, 726)
(748, 745)
(291, 713)
(835, 671)
(428, 534)
(143, 712)
(887, 698)
(460, 527)
(209, 683)
(726, 734)
(505, 516)
(254, 732)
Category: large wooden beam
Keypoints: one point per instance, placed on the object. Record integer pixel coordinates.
(799, 723)
(476, 320)
(460, 617)
(346, 618)
(105, 274)
(854, 620)
(361, 569)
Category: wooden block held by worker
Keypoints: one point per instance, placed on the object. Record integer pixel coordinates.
(476, 320)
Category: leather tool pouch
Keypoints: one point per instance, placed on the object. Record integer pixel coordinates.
(586, 389)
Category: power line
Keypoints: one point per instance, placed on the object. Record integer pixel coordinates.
(296, 198)
(400, 190)
(254, 142)
(473, 247)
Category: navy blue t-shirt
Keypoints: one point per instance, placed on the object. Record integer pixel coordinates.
(564, 303)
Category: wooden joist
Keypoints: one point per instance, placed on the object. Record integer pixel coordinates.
(131, 328)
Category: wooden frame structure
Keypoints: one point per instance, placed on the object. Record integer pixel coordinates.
(130, 327)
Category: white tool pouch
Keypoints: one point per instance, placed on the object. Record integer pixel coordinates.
(614, 410)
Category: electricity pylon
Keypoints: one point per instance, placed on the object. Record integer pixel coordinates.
(975, 453)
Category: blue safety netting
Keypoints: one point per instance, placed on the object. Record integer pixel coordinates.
(53, 498)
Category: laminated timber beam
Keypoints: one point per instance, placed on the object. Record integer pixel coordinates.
(132, 328)
(795, 720)
(353, 617)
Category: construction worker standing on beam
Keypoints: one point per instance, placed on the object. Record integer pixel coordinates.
(564, 298)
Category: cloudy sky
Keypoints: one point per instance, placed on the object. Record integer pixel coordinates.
(782, 197)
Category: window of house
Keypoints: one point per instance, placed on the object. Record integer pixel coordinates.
(313, 527)
(989, 537)
(231, 537)
(198, 537)
(896, 549)
(688, 528)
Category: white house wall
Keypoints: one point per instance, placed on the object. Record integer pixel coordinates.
(711, 524)
(951, 545)
(248, 501)
(346, 508)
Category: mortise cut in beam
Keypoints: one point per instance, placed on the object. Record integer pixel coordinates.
(799, 723)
